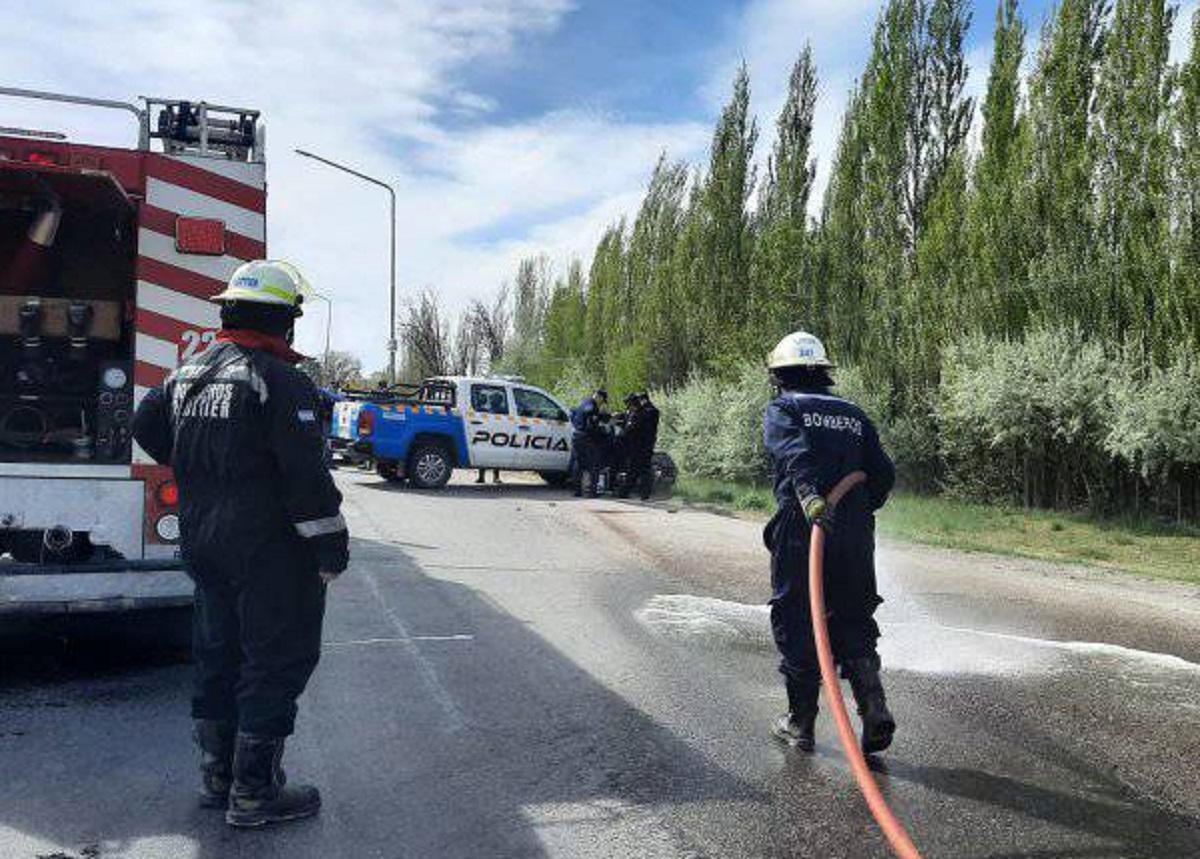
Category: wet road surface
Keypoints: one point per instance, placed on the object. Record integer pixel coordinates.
(510, 672)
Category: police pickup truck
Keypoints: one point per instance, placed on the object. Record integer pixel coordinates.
(421, 433)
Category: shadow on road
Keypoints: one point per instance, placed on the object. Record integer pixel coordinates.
(496, 745)
(1137, 829)
(59, 648)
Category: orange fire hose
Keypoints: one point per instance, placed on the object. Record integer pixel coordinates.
(891, 828)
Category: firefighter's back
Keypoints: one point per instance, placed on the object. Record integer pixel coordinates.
(224, 461)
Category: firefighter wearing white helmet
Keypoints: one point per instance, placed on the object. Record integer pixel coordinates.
(270, 282)
(799, 349)
(814, 440)
(261, 527)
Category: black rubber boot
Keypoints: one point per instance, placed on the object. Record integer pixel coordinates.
(216, 740)
(797, 726)
(878, 726)
(260, 794)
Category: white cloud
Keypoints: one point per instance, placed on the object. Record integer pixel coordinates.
(370, 84)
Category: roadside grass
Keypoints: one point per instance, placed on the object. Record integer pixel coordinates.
(743, 497)
(1144, 547)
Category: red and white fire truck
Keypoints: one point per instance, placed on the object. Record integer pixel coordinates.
(107, 259)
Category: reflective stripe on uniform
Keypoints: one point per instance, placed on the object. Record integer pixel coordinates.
(320, 527)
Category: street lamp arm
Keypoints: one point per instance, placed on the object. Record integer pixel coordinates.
(392, 345)
(349, 170)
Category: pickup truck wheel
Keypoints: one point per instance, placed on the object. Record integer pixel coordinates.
(665, 472)
(429, 466)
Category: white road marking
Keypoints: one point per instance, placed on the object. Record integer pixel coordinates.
(358, 642)
(456, 637)
(454, 719)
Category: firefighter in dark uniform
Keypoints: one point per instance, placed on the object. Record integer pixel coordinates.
(588, 442)
(641, 435)
(261, 534)
(814, 440)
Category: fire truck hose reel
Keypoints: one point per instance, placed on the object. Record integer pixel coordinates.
(58, 539)
(891, 828)
(23, 426)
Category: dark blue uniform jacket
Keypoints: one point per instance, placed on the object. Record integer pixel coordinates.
(814, 440)
(585, 420)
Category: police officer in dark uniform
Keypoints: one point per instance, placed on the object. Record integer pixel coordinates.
(641, 435)
(814, 440)
(261, 534)
(589, 438)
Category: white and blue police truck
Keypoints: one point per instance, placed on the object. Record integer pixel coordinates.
(421, 433)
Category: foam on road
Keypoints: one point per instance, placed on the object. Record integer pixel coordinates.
(914, 646)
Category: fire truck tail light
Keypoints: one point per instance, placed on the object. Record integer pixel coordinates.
(42, 159)
(168, 494)
(366, 423)
(204, 236)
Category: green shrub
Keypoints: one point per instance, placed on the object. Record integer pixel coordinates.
(1053, 420)
(713, 428)
(910, 439)
(1027, 421)
(1156, 422)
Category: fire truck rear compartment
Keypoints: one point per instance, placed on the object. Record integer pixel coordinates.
(67, 252)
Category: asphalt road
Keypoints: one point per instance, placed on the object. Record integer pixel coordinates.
(509, 672)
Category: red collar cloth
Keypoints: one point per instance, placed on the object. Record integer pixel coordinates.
(277, 346)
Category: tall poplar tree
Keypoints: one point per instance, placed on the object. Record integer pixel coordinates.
(1133, 135)
(564, 329)
(605, 284)
(1060, 185)
(841, 236)
(889, 194)
(998, 244)
(1187, 193)
(784, 277)
(659, 329)
(728, 238)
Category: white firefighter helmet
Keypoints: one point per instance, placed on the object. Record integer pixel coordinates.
(798, 349)
(266, 282)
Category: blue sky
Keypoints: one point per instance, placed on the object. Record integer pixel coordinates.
(640, 60)
(508, 127)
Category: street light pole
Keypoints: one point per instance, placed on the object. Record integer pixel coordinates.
(328, 326)
(392, 194)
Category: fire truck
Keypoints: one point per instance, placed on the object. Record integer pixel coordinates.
(108, 257)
